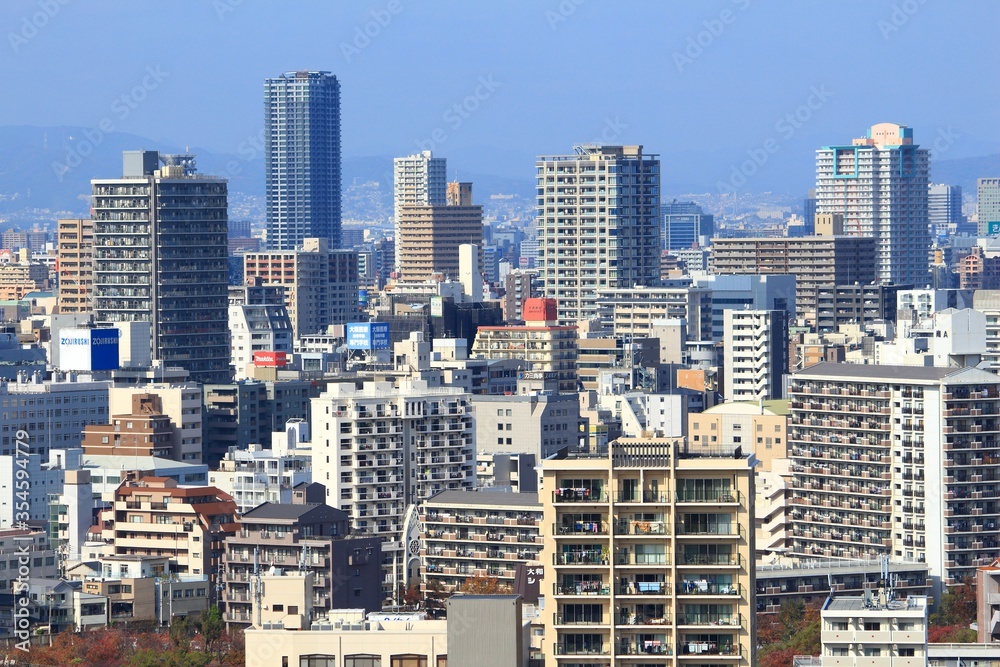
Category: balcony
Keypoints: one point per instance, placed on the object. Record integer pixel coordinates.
(587, 587)
(701, 587)
(627, 527)
(642, 588)
(581, 649)
(581, 528)
(727, 620)
(580, 558)
(648, 647)
(709, 496)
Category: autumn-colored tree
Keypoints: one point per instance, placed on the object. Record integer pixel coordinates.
(781, 657)
(794, 630)
(951, 634)
(212, 628)
(481, 584)
(958, 606)
(412, 596)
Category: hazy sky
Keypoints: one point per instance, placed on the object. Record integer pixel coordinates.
(492, 84)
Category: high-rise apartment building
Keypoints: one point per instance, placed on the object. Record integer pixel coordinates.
(685, 225)
(418, 180)
(896, 460)
(160, 256)
(879, 184)
(648, 553)
(755, 354)
(321, 285)
(988, 206)
(302, 152)
(817, 262)
(428, 236)
(258, 322)
(944, 208)
(75, 252)
(382, 448)
(598, 216)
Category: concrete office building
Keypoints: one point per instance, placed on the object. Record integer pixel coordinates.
(302, 158)
(817, 262)
(752, 292)
(519, 286)
(160, 256)
(234, 416)
(652, 556)
(418, 180)
(429, 236)
(685, 225)
(879, 184)
(755, 354)
(944, 208)
(896, 460)
(321, 285)
(75, 250)
(631, 312)
(988, 206)
(856, 304)
(527, 422)
(598, 225)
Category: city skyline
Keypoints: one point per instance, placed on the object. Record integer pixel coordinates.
(708, 111)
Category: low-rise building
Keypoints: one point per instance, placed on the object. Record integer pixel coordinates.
(874, 630)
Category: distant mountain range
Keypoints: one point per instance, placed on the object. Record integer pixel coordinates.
(51, 168)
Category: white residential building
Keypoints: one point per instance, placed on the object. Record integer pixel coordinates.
(382, 448)
(256, 475)
(755, 353)
(874, 631)
(879, 183)
(258, 322)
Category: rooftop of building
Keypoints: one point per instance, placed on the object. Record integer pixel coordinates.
(485, 499)
(776, 407)
(847, 371)
(861, 603)
(292, 512)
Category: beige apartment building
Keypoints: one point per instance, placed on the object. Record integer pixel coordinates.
(430, 235)
(321, 285)
(815, 261)
(874, 630)
(649, 556)
(75, 251)
(897, 460)
(759, 428)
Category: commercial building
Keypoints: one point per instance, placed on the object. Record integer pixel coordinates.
(896, 460)
(429, 235)
(160, 256)
(755, 354)
(527, 422)
(753, 292)
(598, 225)
(309, 536)
(856, 304)
(544, 345)
(477, 534)
(988, 206)
(321, 285)
(519, 286)
(258, 322)
(879, 183)
(418, 180)
(758, 428)
(944, 208)
(75, 250)
(632, 312)
(652, 556)
(302, 158)
(685, 225)
(817, 262)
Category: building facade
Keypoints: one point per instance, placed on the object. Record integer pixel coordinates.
(429, 236)
(598, 216)
(755, 354)
(649, 557)
(879, 184)
(418, 180)
(302, 158)
(75, 250)
(160, 256)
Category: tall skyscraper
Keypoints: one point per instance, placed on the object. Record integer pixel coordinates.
(944, 208)
(302, 148)
(417, 180)
(988, 197)
(684, 224)
(598, 216)
(879, 184)
(160, 256)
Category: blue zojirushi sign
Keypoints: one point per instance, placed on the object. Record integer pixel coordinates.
(88, 349)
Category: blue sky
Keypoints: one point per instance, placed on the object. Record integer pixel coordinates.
(705, 84)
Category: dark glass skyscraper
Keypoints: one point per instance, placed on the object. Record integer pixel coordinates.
(302, 147)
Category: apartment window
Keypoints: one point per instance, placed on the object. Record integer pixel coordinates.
(409, 660)
(838, 626)
(873, 652)
(906, 652)
(317, 661)
(278, 607)
(872, 626)
(362, 661)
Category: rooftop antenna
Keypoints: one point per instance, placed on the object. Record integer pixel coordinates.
(257, 596)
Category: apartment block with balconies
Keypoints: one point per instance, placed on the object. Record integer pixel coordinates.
(896, 460)
(470, 533)
(648, 553)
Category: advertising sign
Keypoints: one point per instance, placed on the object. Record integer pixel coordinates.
(88, 349)
(368, 336)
